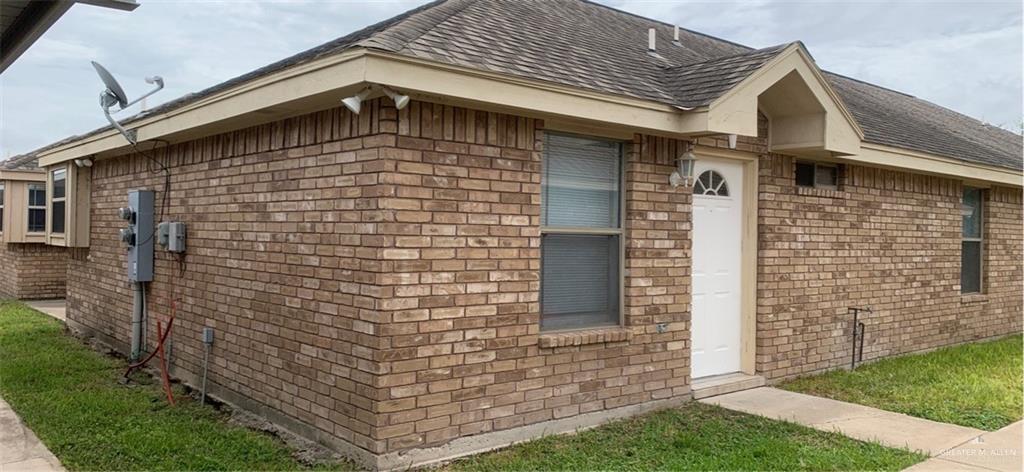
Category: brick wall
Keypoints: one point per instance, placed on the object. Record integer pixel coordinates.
(282, 262)
(375, 278)
(886, 239)
(32, 271)
(463, 280)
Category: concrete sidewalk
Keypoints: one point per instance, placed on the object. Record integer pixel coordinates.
(998, 451)
(20, 449)
(56, 308)
(855, 421)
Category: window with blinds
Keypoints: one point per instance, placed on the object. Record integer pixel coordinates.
(581, 232)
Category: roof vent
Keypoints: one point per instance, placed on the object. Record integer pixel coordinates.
(651, 40)
(675, 35)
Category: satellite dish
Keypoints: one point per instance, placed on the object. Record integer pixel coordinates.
(113, 88)
(114, 94)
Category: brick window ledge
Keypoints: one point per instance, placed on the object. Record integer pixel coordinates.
(973, 298)
(820, 192)
(584, 336)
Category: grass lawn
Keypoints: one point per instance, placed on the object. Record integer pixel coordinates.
(976, 385)
(69, 395)
(694, 437)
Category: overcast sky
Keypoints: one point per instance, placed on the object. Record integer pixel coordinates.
(962, 55)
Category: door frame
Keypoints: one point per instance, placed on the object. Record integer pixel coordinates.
(748, 252)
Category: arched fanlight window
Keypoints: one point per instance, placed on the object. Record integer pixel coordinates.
(711, 183)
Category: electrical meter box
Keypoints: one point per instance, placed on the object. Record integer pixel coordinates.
(171, 236)
(140, 235)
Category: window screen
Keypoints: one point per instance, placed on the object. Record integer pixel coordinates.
(970, 254)
(581, 183)
(817, 174)
(580, 274)
(581, 225)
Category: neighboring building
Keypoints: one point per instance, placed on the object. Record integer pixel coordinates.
(29, 268)
(508, 255)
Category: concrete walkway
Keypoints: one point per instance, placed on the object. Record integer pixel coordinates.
(855, 421)
(20, 449)
(56, 308)
(995, 451)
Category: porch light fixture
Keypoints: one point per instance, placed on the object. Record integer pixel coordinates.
(400, 100)
(685, 163)
(355, 102)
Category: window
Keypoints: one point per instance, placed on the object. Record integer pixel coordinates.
(711, 183)
(2, 188)
(970, 258)
(817, 174)
(36, 208)
(59, 201)
(581, 232)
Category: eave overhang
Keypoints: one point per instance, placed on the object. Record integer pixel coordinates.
(25, 175)
(322, 83)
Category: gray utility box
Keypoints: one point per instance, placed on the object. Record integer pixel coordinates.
(142, 235)
(171, 235)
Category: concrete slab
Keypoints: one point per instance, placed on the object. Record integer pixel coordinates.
(723, 384)
(856, 421)
(56, 308)
(20, 449)
(999, 450)
(936, 464)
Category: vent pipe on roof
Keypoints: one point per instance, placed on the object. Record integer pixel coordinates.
(651, 40)
(675, 35)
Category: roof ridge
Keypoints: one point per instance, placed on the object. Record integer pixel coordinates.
(635, 15)
(733, 56)
(390, 38)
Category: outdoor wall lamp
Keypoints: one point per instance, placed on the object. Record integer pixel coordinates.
(685, 164)
(355, 102)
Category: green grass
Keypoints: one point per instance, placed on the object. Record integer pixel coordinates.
(976, 385)
(694, 437)
(69, 395)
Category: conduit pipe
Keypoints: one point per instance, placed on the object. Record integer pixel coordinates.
(138, 317)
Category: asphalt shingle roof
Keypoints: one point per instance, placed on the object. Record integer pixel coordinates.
(586, 45)
(20, 162)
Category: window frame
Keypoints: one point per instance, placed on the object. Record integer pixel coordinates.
(52, 198)
(30, 207)
(619, 232)
(980, 240)
(3, 205)
(816, 165)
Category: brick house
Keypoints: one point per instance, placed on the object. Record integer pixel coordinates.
(29, 268)
(501, 240)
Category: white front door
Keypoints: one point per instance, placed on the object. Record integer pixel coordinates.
(717, 248)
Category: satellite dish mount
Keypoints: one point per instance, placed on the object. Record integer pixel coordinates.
(114, 95)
